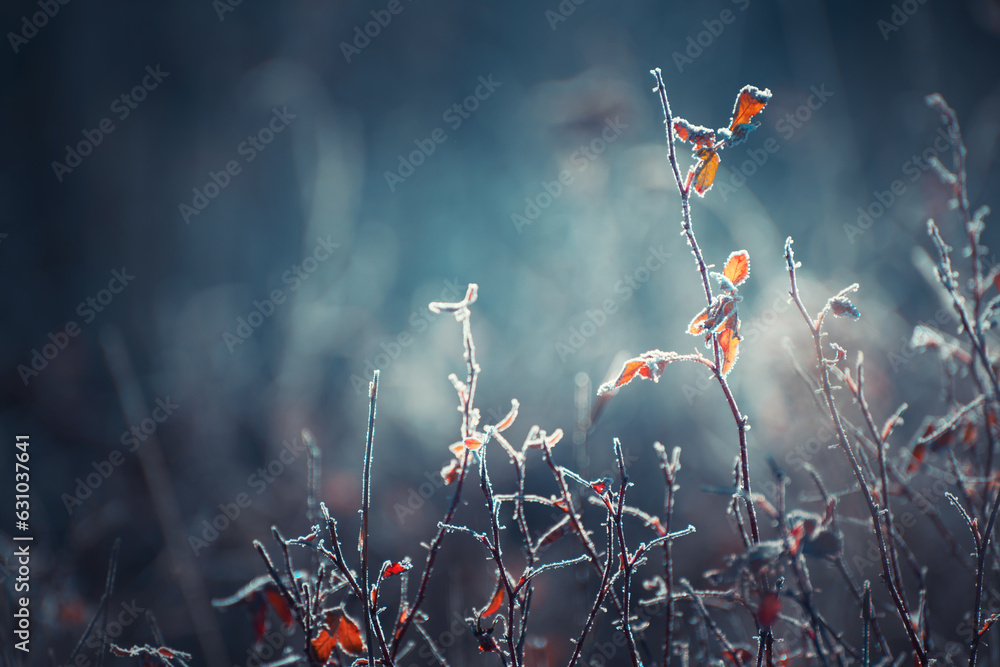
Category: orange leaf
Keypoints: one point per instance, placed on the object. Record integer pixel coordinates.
(701, 137)
(457, 448)
(649, 365)
(737, 267)
(750, 102)
(698, 324)
(729, 343)
(324, 641)
(349, 635)
(497, 600)
(704, 172)
(449, 473)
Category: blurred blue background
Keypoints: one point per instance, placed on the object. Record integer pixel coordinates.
(321, 171)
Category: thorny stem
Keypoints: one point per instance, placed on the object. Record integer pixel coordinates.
(824, 371)
(685, 193)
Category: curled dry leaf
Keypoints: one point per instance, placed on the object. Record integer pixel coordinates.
(649, 365)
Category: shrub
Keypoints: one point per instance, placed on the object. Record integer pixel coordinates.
(762, 607)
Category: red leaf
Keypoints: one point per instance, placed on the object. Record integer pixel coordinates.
(495, 602)
(737, 267)
(258, 619)
(280, 606)
(396, 568)
(745, 656)
(919, 455)
(324, 641)
(770, 606)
